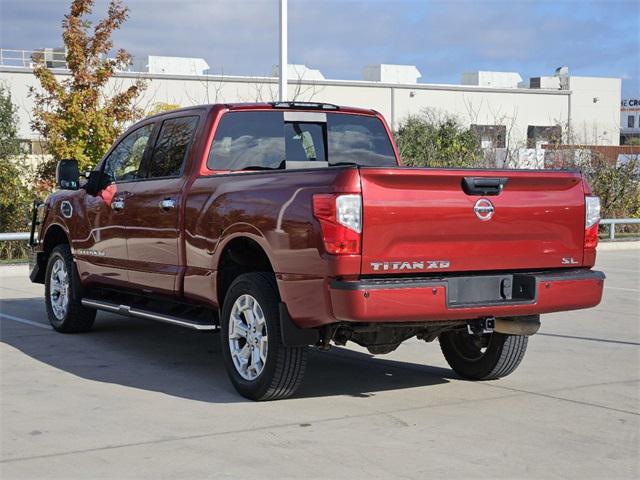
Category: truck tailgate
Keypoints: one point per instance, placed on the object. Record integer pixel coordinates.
(422, 220)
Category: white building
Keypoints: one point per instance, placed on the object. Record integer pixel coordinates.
(629, 119)
(403, 74)
(171, 65)
(504, 110)
(492, 79)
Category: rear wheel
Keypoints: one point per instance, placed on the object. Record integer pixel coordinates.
(482, 357)
(259, 365)
(64, 308)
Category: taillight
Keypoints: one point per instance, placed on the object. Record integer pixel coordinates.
(340, 217)
(591, 221)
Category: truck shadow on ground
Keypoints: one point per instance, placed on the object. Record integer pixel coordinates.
(188, 364)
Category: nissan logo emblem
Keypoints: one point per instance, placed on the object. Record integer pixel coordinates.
(483, 209)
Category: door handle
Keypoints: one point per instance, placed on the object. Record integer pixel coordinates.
(483, 185)
(117, 204)
(167, 204)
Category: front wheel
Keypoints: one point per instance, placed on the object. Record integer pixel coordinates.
(482, 357)
(259, 365)
(64, 308)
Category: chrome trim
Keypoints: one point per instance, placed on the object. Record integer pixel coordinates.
(66, 209)
(100, 305)
(167, 204)
(127, 310)
(117, 204)
(484, 209)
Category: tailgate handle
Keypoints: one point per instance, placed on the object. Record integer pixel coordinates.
(483, 185)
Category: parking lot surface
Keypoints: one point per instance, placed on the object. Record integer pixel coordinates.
(136, 399)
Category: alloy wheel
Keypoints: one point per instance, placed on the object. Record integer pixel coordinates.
(59, 289)
(248, 339)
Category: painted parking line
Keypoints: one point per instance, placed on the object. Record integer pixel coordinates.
(590, 339)
(25, 321)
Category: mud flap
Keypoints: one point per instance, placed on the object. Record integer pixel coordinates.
(292, 335)
(37, 266)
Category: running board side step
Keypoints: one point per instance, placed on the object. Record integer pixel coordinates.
(134, 312)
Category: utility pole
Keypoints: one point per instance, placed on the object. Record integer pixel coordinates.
(283, 51)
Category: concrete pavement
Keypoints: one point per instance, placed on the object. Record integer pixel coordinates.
(135, 399)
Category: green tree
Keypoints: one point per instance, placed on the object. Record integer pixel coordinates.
(77, 116)
(436, 140)
(15, 195)
(617, 185)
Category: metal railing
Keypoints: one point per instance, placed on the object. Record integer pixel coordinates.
(612, 222)
(609, 222)
(7, 237)
(16, 58)
(52, 57)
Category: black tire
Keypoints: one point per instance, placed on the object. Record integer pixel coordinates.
(502, 353)
(74, 318)
(284, 366)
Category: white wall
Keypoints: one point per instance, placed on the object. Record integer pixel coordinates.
(595, 110)
(18, 84)
(515, 108)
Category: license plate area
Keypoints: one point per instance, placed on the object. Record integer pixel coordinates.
(476, 291)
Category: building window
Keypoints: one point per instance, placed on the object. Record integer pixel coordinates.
(537, 136)
(631, 121)
(490, 136)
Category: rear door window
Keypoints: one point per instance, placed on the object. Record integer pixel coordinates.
(248, 140)
(172, 147)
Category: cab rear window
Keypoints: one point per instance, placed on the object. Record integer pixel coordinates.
(264, 140)
(359, 139)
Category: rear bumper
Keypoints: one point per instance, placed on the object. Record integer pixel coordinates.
(425, 299)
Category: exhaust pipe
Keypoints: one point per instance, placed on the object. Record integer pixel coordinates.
(526, 325)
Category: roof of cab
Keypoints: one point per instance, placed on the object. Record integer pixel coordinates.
(294, 105)
(308, 106)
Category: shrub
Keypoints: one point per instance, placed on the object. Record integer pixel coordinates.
(435, 140)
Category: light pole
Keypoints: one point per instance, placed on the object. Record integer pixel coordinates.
(283, 51)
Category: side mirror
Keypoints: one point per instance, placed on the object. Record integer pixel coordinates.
(68, 174)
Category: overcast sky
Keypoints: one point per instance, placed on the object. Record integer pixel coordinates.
(442, 38)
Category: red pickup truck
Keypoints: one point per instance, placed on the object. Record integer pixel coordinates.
(290, 225)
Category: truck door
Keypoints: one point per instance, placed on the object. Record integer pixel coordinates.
(101, 251)
(154, 231)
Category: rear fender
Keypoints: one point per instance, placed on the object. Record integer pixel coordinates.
(242, 230)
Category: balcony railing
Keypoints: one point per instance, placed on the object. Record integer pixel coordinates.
(53, 58)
